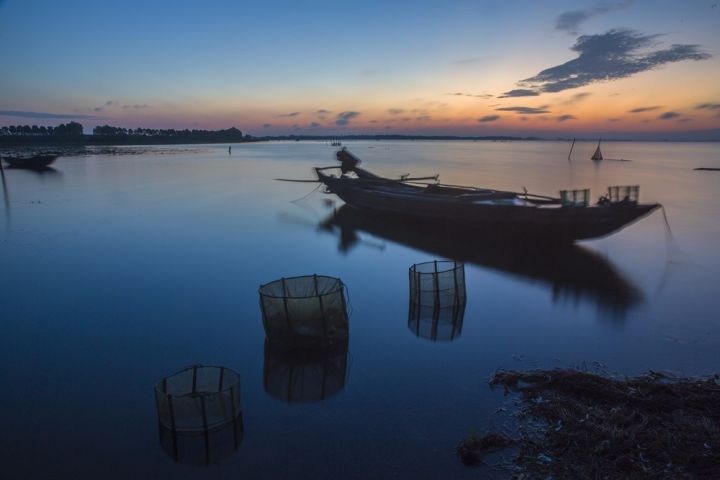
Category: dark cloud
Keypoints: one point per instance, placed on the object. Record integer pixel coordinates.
(525, 110)
(520, 92)
(614, 119)
(668, 115)
(344, 118)
(564, 118)
(422, 118)
(395, 111)
(645, 109)
(570, 21)
(577, 98)
(612, 55)
(708, 106)
(489, 118)
(315, 125)
(322, 111)
(266, 125)
(23, 114)
(110, 102)
(98, 109)
(291, 114)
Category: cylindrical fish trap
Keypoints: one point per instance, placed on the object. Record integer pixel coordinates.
(307, 311)
(199, 413)
(437, 299)
(304, 375)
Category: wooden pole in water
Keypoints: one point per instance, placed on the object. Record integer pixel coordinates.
(571, 149)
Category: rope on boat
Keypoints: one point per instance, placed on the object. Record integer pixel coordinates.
(668, 230)
(298, 200)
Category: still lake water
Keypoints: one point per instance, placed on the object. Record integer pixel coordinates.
(119, 270)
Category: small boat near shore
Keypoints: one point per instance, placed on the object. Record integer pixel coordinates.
(526, 216)
(35, 162)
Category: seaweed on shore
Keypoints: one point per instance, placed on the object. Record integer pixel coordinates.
(593, 426)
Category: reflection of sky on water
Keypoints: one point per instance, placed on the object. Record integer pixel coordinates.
(123, 268)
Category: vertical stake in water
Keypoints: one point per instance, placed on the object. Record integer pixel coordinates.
(571, 149)
(436, 307)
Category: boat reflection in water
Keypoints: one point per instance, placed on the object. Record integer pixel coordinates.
(437, 300)
(304, 374)
(574, 273)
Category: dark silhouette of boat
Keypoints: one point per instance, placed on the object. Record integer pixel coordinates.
(528, 216)
(35, 162)
(597, 156)
(574, 273)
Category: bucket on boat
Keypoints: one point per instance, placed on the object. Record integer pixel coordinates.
(437, 299)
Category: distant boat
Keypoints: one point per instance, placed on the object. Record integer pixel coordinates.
(335, 143)
(36, 162)
(597, 156)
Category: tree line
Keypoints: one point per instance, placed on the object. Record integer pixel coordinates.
(63, 130)
(109, 131)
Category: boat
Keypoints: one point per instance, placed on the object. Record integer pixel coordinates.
(35, 162)
(597, 156)
(487, 211)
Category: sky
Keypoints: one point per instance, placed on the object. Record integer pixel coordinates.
(621, 68)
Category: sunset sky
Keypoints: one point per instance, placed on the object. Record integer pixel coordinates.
(643, 69)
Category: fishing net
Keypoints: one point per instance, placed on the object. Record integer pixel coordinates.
(575, 198)
(304, 375)
(199, 408)
(305, 311)
(437, 299)
(624, 193)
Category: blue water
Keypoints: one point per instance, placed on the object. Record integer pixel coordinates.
(118, 270)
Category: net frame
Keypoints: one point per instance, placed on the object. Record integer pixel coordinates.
(209, 403)
(575, 198)
(624, 194)
(331, 310)
(441, 306)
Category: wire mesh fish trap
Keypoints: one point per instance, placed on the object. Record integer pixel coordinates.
(309, 311)
(304, 375)
(437, 299)
(575, 198)
(199, 411)
(624, 194)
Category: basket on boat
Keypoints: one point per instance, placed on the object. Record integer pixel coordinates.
(437, 299)
(199, 413)
(307, 311)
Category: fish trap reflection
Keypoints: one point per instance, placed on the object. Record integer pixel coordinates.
(307, 311)
(437, 299)
(199, 415)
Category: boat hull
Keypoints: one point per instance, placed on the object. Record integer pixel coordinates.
(37, 162)
(553, 223)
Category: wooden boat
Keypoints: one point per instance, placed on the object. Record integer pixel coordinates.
(524, 215)
(36, 162)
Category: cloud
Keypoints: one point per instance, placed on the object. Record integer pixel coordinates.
(683, 120)
(467, 61)
(461, 94)
(525, 110)
(422, 118)
(144, 105)
(520, 92)
(616, 54)
(315, 125)
(322, 111)
(570, 21)
(23, 114)
(291, 114)
(645, 109)
(668, 115)
(110, 103)
(489, 118)
(577, 98)
(344, 118)
(614, 119)
(564, 118)
(708, 106)
(395, 111)
(266, 125)
(98, 109)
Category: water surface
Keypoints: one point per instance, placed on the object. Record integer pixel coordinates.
(120, 269)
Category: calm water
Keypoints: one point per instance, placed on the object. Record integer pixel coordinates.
(119, 270)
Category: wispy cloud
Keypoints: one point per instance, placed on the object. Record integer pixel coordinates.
(98, 109)
(462, 94)
(144, 105)
(24, 114)
(708, 106)
(344, 118)
(315, 125)
(489, 118)
(570, 21)
(525, 110)
(645, 109)
(266, 125)
(520, 92)
(669, 115)
(110, 103)
(467, 61)
(322, 111)
(577, 98)
(616, 54)
(395, 111)
(291, 114)
(565, 118)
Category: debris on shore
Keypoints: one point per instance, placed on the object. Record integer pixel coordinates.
(584, 425)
